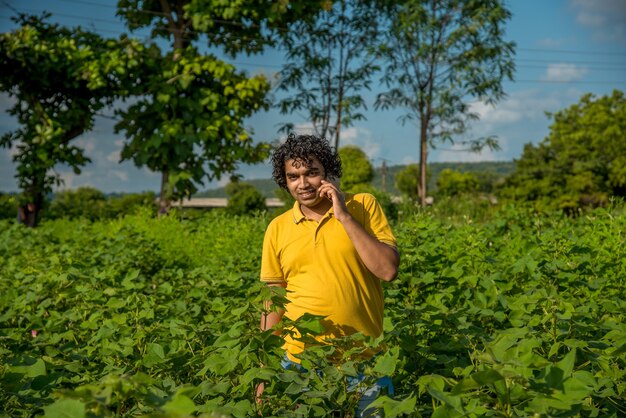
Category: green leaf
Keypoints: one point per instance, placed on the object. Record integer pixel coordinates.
(154, 355)
(449, 399)
(311, 324)
(386, 363)
(65, 408)
(32, 368)
(257, 373)
(567, 363)
(477, 380)
(179, 406)
(392, 407)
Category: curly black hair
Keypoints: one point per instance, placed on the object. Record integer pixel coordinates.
(303, 147)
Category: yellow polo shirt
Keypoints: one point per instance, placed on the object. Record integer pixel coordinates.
(323, 272)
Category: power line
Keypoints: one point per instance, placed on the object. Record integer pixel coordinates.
(598, 65)
(566, 66)
(558, 61)
(90, 3)
(608, 83)
(517, 60)
(163, 14)
(540, 50)
(565, 51)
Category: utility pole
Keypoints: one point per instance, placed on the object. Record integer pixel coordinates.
(383, 171)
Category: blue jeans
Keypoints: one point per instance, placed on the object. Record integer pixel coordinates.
(368, 394)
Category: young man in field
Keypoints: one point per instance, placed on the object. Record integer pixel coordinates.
(330, 251)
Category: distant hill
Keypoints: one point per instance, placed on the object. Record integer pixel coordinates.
(492, 169)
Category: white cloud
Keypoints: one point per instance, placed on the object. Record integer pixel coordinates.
(223, 181)
(69, 180)
(564, 72)
(409, 159)
(518, 119)
(12, 151)
(87, 144)
(114, 156)
(459, 152)
(362, 138)
(305, 128)
(501, 114)
(521, 106)
(121, 175)
(606, 17)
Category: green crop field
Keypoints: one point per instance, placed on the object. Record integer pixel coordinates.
(520, 315)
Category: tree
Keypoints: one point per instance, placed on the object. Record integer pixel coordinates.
(244, 198)
(60, 79)
(245, 26)
(356, 168)
(407, 180)
(190, 119)
(195, 105)
(580, 163)
(441, 54)
(453, 183)
(329, 64)
(84, 202)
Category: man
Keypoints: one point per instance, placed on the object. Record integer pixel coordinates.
(330, 251)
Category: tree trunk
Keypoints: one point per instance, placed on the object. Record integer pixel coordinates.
(421, 184)
(28, 214)
(338, 126)
(164, 198)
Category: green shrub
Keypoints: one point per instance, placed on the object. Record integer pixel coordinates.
(454, 183)
(84, 202)
(244, 198)
(92, 204)
(8, 206)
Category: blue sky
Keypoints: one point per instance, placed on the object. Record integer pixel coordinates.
(565, 48)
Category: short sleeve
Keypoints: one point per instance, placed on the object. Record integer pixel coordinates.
(376, 222)
(271, 271)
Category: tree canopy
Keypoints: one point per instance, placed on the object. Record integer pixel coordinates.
(441, 55)
(357, 168)
(329, 66)
(407, 180)
(453, 183)
(245, 26)
(60, 78)
(582, 162)
(189, 124)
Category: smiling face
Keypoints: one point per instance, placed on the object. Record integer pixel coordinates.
(304, 181)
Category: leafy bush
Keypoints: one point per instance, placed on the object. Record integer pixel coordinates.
(580, 164)
(8, 206)
(92, 204)
(407, 180)
(356, 167)
(244, 199)
(84, 202)
(128, 203)
(455, 183)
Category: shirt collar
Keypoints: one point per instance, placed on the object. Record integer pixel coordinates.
(298, 216)
(297, 213)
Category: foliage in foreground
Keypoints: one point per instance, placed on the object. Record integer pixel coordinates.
(521, 315)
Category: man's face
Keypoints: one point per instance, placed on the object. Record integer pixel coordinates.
(304, 181)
